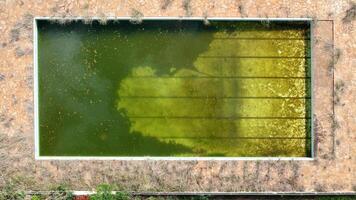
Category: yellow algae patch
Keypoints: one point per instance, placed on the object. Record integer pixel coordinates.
(240, 98)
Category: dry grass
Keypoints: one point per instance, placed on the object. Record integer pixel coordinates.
(338, 91)
(350, 13)
(87, 20)
(22, 27)
(187, 8)
(334, 123)
(241, 10)
(206, 20)
(14, 34)
(166, 4)
(336, 56)
(103, 20)
(136, 16)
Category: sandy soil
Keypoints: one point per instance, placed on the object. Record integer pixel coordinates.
(334, 62)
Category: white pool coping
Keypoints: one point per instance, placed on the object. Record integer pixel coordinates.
(142, 158)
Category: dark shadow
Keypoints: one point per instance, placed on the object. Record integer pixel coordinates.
(308, 90)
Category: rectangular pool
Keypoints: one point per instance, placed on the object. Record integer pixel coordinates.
(173, 88)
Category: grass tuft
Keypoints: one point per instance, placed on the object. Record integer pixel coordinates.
(338, 91)
(105, 192)
(187, 8)
(206, 21)
(336, 56)
(136, 17)
(10, 192)
(60, 193)
(350, 14)
(103, 20)
(88, 20)
(166, 4)
(241, 10)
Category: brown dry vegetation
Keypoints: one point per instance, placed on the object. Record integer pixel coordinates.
(350, 14)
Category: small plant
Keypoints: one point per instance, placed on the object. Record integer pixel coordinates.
(350, 14)
(187, 7)
(87, 20)
(9, 192)
(19, 52)
(200, 198)
(340, 86)
(241, 9)
(206, 20)
(36, 197)
(60, 193)
(62, 21)
(103, 20)
(334, 123)
(85, 6)
(136, 17)
(339, 89)
(266, 23)
(336, 56)
(313, 22)
(105, 192)
(14, 35)
(166, 4)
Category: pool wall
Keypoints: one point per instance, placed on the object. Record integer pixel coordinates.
(331, 170)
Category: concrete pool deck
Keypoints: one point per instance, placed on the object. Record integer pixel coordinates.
(332, 170)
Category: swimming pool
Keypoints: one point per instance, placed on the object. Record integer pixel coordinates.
(174, 88)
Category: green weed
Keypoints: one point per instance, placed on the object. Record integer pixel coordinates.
(105, 192)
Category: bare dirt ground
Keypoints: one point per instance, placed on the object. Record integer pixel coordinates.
(334, 62)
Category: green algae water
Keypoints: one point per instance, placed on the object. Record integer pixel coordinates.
(174, 88)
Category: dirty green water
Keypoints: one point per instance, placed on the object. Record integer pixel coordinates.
(174, 88)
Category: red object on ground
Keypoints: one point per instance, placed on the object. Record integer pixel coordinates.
(81, 197)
